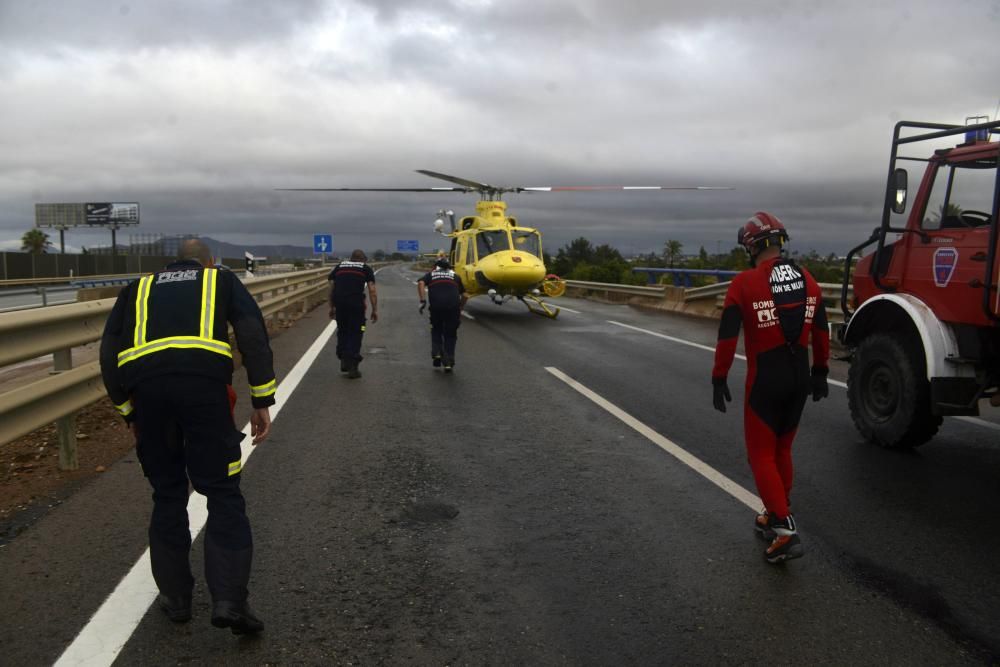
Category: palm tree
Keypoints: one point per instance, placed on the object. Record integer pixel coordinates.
(35, 241)
(672, 251)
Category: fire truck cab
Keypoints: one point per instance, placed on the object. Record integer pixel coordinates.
(923, 326)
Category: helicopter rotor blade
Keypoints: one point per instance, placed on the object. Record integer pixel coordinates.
(442, 189)
(603, 188)
(480, 187)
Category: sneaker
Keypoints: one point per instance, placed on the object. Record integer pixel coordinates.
(437, 362)
(760, 524)
(448, 367)
(786, 544)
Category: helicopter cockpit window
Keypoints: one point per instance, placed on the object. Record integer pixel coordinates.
(527, 242)
(488, 243)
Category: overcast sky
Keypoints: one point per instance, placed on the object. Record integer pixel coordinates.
(198, 109)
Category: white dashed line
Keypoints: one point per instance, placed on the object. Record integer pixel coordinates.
(708, 472)
(975, 421)
(671, 338)
(467, 315)
(108, 630)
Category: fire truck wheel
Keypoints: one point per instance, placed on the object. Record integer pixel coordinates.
(888, 393)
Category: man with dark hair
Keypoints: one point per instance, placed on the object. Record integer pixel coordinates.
(347, 305)
(447, 297)
(166, 363)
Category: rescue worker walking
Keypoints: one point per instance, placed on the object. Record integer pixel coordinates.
(447, 299)
(779, 305)
(347, 305)
(166, 363)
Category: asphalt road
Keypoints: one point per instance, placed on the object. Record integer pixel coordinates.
(498, 516)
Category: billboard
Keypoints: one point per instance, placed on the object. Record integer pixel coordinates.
(101, 214)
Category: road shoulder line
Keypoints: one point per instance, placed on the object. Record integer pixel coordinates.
(708, 472)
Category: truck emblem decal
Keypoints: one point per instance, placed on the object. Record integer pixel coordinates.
(945, 261)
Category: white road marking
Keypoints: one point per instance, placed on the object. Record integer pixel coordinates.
(108, 630)
(570, 310)
(708, 472)
(979, 422)
(671, 338)
(467, 315)
(975, 421)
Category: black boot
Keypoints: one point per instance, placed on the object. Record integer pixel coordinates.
(353, 371)
(177, 609)
(237, 616)
(345, 365)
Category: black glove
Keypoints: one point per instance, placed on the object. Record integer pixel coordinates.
(820, 389)
(423, 304)
(720, 394)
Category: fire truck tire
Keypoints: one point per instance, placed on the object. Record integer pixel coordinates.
(888, 393)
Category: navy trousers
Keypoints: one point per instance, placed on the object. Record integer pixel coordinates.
(185, 432)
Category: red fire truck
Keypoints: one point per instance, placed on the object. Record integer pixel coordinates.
(923, 326)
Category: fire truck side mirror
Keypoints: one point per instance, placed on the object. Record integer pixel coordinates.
(899, 191)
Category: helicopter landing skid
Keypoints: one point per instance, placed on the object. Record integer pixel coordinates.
(539, 307)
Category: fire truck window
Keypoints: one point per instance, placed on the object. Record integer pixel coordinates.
(958, 188)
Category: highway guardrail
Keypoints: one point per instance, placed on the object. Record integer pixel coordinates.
(56, 330)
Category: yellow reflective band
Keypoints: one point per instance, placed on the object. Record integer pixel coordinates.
(125, 409)
(142, 309)
(207, 318)
(175, 342)
(263, 390)
(235, 467)
(211, 307)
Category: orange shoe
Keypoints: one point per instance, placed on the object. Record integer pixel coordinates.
(786, 544)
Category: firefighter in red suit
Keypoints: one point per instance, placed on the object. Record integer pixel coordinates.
(779, 306)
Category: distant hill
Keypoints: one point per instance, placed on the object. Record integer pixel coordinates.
(224, 249)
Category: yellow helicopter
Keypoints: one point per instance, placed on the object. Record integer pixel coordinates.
(493, 254)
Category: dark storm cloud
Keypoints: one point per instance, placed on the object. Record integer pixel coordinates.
(200, 109)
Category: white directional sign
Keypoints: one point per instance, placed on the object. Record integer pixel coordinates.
(322, 243)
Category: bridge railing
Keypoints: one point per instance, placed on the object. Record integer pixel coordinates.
(56, 330)
(683, 277)
(705, 300)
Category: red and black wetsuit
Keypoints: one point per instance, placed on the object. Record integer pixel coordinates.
(779, 305)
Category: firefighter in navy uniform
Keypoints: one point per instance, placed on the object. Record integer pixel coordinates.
(447, 298)
(780, 306)
(347, 305)
(166, 363)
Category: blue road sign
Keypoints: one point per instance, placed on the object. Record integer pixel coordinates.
(322, 243)
(407, 246)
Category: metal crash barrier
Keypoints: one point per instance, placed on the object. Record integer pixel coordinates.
(56, 330)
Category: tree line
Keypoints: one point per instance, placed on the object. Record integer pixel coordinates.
(582, 260)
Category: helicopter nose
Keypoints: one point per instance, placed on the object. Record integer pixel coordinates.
(519, 271)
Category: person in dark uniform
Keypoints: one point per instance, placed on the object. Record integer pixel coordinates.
(347, 305)
(447, 298)
(779, 305)
(166, 363)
